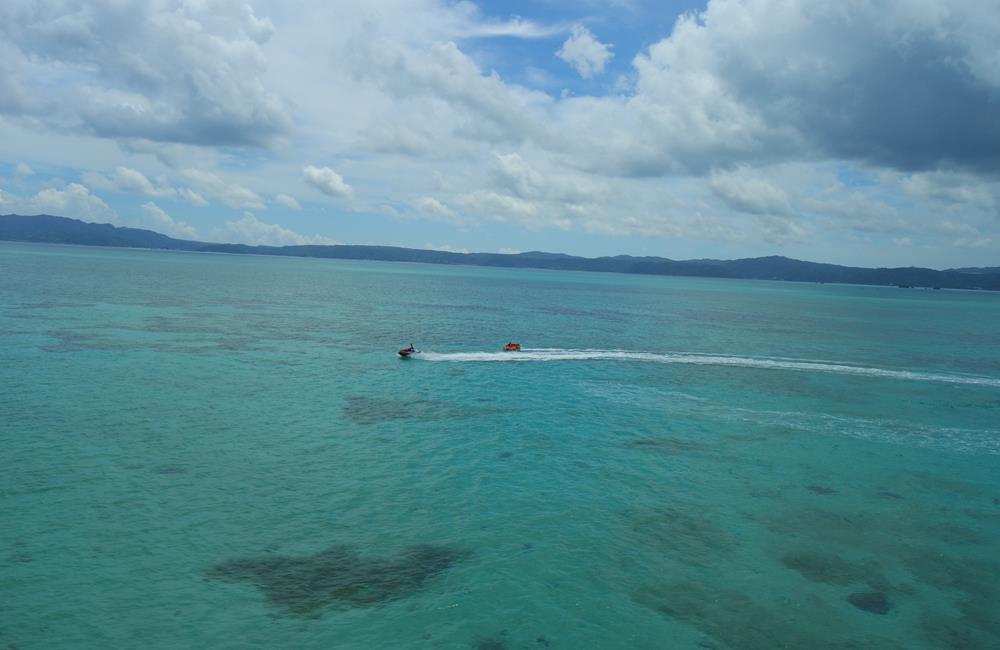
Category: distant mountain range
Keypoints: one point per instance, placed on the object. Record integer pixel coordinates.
(60, 230)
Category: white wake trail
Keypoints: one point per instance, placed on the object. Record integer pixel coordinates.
(556, 354)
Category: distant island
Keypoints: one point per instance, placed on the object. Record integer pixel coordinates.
(60, 230)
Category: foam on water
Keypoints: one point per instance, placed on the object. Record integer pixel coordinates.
(771, 363)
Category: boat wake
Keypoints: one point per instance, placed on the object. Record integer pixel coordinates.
(557, 354)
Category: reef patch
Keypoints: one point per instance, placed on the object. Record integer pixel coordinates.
(732, 619)
(875, 602)
(339, 575)
(498, 642)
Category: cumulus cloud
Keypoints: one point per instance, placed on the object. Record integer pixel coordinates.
(232, 194)
(952, 228)
(586, 54)
(327, 181)
(170, 154)
(162, 222)
(947, 188)
(856, 210)
(431, 207)
(515, 174)
(781, 230)
(765, 80)
(745, 191)
(287, 201)
(192, 197)
(462, 101)
(131, 181)
(498, 207)
(388, 211)
(74, 200)
(981, 242)
(250, 230)
(23, 170)
(191, 72)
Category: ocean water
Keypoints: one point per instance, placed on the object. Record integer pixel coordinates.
(212, 451)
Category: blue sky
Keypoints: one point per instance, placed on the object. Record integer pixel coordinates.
(850, 132)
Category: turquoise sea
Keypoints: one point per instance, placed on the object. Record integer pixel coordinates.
(213, 451)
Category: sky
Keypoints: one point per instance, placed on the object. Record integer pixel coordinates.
(861, 132)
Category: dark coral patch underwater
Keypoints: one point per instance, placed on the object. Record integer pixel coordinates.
(339, 575)
(875, 602)
(498, 642)
(732, 619)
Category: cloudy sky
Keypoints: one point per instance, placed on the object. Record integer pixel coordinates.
(851, 131)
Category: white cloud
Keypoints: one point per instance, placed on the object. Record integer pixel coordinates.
(170, 154)
(431, 207)
(433, 20)
(782, 230)
(585, 53)
(162, 222)
(23, 169)
(858, 211)
(517, 175)
(765, 80)
(746, 191)
(287, 201)
(953, 228)
(192, 197)
(498, 207)
(517, 28)
(327, 181)
(388, 211)
(456, 99)
(948, 188)
(513, 173)
(129, 181)
(191, 72)
(249, 230)
(74, 201)
(982, 242)
(232, 194)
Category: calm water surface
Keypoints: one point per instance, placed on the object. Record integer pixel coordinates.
(223, 451)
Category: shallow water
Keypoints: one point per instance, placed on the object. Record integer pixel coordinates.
(224, 451)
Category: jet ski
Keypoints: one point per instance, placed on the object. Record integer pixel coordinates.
(406, 353)
(512, 347)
